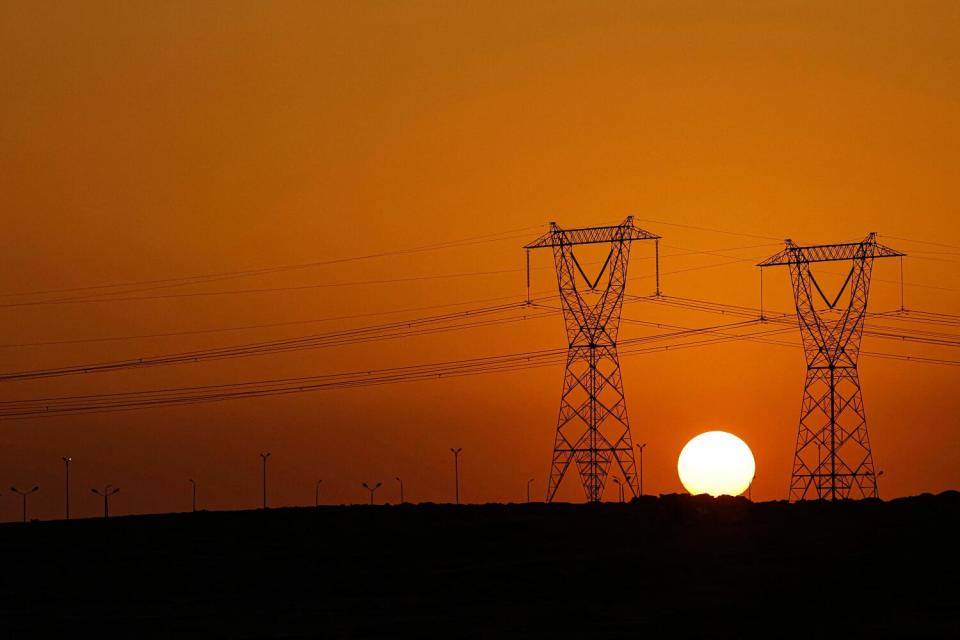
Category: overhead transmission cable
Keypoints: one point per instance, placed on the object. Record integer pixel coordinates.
(243, 273)
(475, 366)
(455, 321)
(123, 296)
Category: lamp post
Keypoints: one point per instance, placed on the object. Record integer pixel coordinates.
(372, 489)
(528, 490)
(641, 447)
(456, 472)
(619, 484)
(401, 488)
(316, 500)
(24, 494)
(66, 462)
(264, 457)
(108, 491)
(194, 485)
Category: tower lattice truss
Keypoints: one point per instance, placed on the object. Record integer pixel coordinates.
(593, 427)
(833, 458)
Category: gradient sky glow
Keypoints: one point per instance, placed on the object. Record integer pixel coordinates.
(146, 140)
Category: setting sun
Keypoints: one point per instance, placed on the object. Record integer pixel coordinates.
(716, 462)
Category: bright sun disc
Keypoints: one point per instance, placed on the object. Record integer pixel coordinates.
(716, 462)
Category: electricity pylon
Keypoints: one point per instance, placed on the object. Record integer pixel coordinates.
(593, 428)
(833, 457)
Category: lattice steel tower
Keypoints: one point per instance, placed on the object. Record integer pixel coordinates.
(833, 457)
(593, 428)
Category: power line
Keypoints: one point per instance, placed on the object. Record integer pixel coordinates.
(881, 331)
(121, 296)
(457, 368)
(927, 242)
(401, 329)
(454, 321)
(268, 325)
(260, 348)
(226, 275)
(763, 237)
(227, 292)
(209, 393)
(687, 337)
(721, 252)
(710, 229)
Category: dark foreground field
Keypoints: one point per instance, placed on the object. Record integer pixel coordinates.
(661, 567)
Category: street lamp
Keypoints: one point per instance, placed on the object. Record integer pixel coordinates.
(456, 471)
(528, 490)
(108, 491)
(372, 489)
(316, 501)
(24, 494)
(194, 483)
(66, 461)
(264, 456)
(641, 447)
(619, 484)
(401, 488)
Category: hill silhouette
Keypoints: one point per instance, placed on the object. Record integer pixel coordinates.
(669, 566)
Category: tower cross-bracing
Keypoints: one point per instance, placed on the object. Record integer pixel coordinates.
(833, 458)
(593, 428)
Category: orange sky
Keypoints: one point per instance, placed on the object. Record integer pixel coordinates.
(156, 140)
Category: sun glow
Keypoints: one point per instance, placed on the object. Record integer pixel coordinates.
(716, 462)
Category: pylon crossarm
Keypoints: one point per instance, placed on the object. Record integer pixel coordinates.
(625, 232)
(867, 248)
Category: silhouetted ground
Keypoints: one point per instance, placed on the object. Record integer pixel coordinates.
(660, 567)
